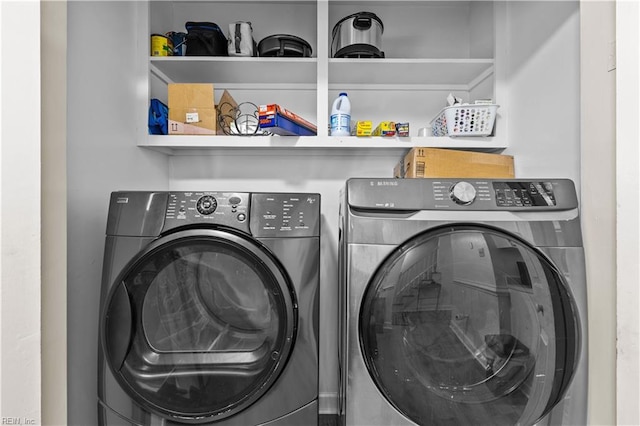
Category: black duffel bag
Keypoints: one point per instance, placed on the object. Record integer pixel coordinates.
(205, 39)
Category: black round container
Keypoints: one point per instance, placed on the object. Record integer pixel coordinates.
(284, 45)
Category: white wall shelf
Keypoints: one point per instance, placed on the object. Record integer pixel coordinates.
(440, 73)
(431, 49)
(319, 145)
(228, 70)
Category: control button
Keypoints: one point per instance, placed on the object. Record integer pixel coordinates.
(462, 193)
(235, 200)
(206, 204)
(242, 217)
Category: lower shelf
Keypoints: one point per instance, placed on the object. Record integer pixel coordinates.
(189, 144)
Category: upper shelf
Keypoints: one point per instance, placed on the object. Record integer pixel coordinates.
(452, 73)
(228, 70)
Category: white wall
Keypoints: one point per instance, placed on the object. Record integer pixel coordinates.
(628, 211)
(20, 213)
(102, 156)
(598, 203)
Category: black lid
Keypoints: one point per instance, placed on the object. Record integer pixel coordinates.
(359, 50)
(284, 45)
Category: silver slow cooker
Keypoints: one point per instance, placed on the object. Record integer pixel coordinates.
(358, 36)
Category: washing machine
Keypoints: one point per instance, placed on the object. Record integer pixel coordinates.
(209, 309)
(463, 302)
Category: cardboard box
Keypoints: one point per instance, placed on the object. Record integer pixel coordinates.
(402, 129)
(364, 128)
(398, 169)
(437, 162)
(192, 109)
(226, 109)
(280, 121)
(386, 128)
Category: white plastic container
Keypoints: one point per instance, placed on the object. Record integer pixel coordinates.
(340, 119)
(465, 120)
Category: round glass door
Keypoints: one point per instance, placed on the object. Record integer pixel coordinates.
(200, 326)
(469, 325)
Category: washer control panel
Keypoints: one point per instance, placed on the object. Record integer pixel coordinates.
(462, 194)
(524, 194)
(500, 194)
(220, 208)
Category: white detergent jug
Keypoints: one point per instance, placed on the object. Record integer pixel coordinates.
(341, 116)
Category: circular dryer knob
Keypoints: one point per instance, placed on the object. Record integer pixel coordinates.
(462, 193)
(206, 204)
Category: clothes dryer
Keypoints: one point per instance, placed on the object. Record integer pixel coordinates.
(463, 302)
(209, 309)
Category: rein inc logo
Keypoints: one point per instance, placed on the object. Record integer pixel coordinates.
(17, 421)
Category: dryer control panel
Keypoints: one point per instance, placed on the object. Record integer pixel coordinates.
(221, 208)
(261, 214)
(285, 215)
(462, 194)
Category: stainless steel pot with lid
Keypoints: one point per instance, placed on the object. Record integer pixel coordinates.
(358, 36)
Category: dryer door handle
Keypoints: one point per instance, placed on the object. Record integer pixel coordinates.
(118, 323)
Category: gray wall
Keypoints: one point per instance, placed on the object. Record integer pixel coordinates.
(102, 156)
(538, 58)
(321, 173)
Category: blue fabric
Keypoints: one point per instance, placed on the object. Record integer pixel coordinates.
(158, 118)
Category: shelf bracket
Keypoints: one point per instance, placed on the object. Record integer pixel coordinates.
(479, 79)
(162, 76)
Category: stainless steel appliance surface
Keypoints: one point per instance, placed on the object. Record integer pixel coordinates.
(463, 302)
(209, 309)
(358, 35)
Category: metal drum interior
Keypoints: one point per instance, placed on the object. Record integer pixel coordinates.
(467, 324)
(200, 327)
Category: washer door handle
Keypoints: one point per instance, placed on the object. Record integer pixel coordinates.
(118, 323)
